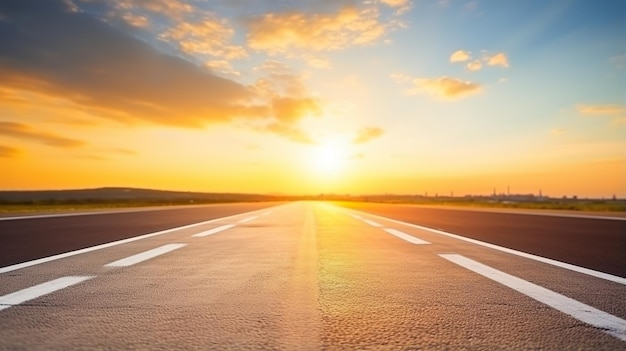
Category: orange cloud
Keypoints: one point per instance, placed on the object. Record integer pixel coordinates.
(136, 20)
(396, 3)
(168, 8)
(281, 83)
(367, 134)
(292, 133)
(273, 67)
(445, 87)
(606, 110)
(8, 152)
(401, 6)
(108, 73)
(499, 59)
(221, 66)
(22, 131)
(209, 36)
(460, 56)
(113, 74)
(617, 112)
(475, 65)
(190, 28)
(287, 110)
(280, 32)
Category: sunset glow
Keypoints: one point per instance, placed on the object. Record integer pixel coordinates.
(330, 157)
(308, 97)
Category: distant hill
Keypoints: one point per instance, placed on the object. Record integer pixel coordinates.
(124, 195)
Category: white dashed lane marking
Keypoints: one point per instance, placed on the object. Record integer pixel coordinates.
(248, 219)
(394, 232)
(36, 291)
(129, 261)
(372, 223)
(214, 230)
(107, 245)
(406, 237)
(568, 266)
(604, 321)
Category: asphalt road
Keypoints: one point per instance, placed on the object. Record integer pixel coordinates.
(303, 276)
(595, 243)
(45, 235)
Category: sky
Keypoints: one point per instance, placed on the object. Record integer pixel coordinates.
(315, 96)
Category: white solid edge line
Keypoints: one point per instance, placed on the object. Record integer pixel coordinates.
(110, 211)
(52, 215)
(214, 230)
(107, 245)
(36, 291)
(606, 322)
(356, 216)
(101, 212)
(55, 215)
(406, 237)
(567, 215)
(144, 256)
(571, 267)
(248, 219)
(372, 223)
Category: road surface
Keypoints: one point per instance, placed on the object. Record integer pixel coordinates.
(304, 276)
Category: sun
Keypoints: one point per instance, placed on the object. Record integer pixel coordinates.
(329, 158)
